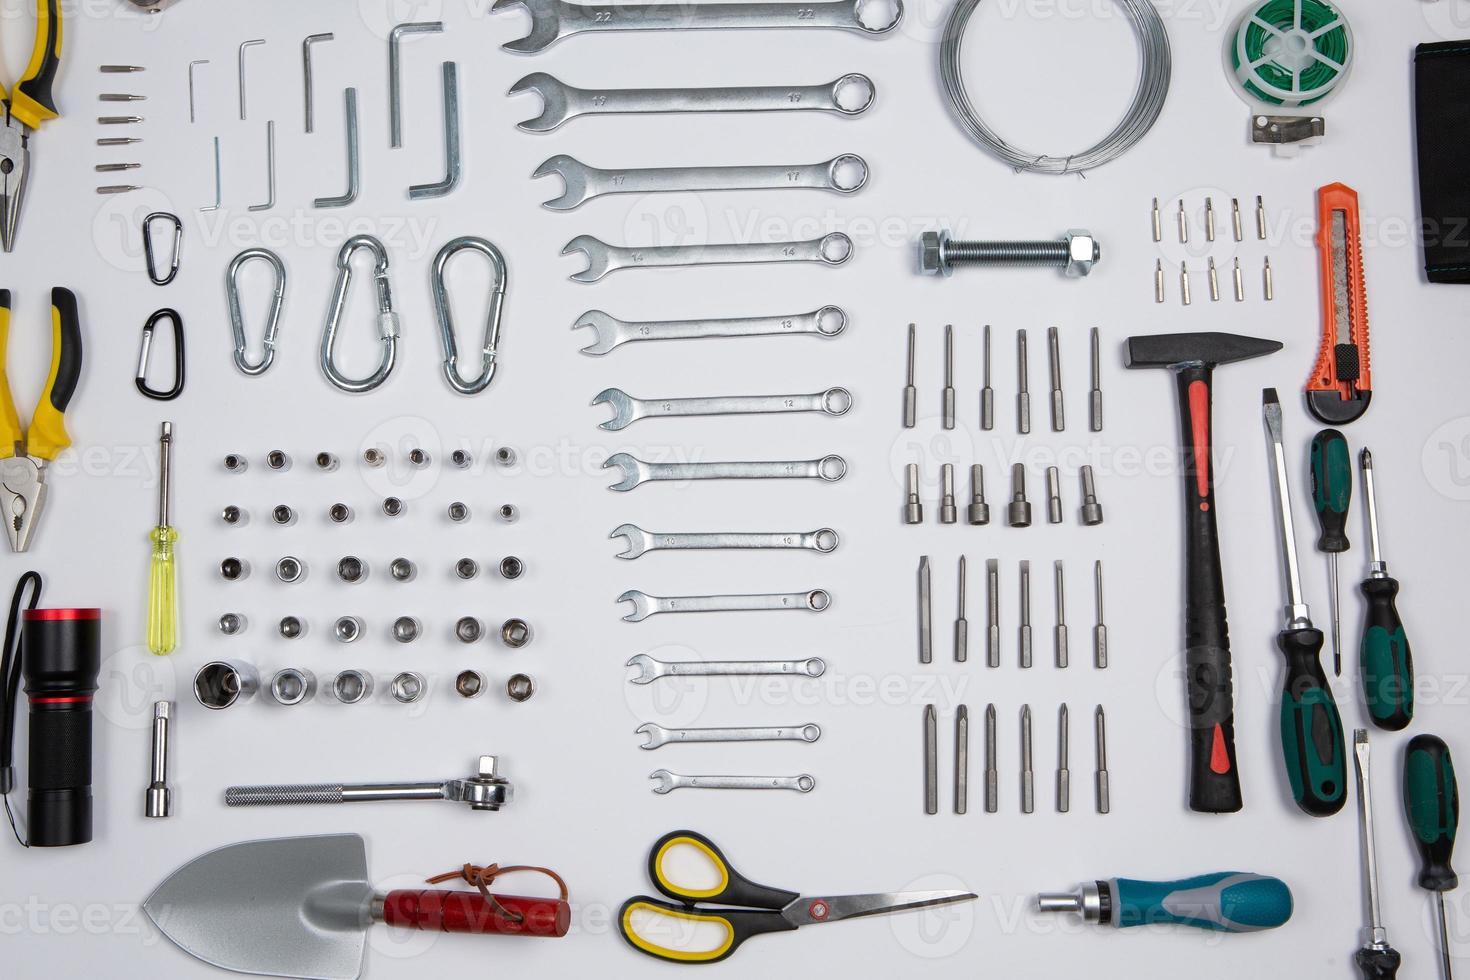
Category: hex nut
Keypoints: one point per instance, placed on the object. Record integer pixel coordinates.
(469, 684)
(467, 629)
(512, 567)
(931, 254)
(1083, 252)
(520, 687)
(515, 633)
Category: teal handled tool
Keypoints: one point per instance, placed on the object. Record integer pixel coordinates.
(1376, 960)
(1332, 489)
(669, 931)
(1311, 728)
(1432, 804)
(1226, 901)
(1387, 664)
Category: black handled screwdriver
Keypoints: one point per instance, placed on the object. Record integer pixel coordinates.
(1332, 489)
(1376, 960)
(1386, 663)
(1432, 805)
(1311, 728)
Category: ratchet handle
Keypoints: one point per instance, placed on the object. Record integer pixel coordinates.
(1387, 663)
(444, 910)
(32, 101)
(1311, 728)
(47, 436)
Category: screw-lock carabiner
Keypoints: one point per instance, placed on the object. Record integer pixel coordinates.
(492, 315)
(147, 345)
(387, 319)
(173, 268)
(237, 318)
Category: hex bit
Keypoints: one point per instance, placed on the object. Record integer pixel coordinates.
(1100, 629)
(931, 760)
(926, 649)
(910, 393)
(1023, 391)
(987, 394)
(992, 612)
(1053, 496)
(1059, 631)
(1028, 777)
(1064, 775)
(1054, 362)
(947, 396)
(961, 625)
(1025, 627)
(962, 760)
(992, 775)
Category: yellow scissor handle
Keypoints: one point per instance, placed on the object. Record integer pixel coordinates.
(11, 436)
(32, 102)
(47, 436)
(684, 934)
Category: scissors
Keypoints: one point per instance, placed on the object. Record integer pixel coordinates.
(650, 925)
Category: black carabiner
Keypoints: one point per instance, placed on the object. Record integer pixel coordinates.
(142, 378)
(173, 270)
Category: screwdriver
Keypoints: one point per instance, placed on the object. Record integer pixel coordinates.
(1332, 489)
(1226, 901)
(1311, 729)
(163, 613)
(1377, 960)
(1386, 664)
(1432, 805)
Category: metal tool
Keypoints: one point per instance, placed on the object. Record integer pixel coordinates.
(1157, 222)
(157, 801)
(931, 760)
(1268, 284)
(354, 161)
(119, 188)
(1386, 661)
(218, 185)
(1260, 218)
(1092, 512)
(25, 454)
(987, 393)
(627, 409)
(992, 612)
(1209, 219)
(1239, 280)
(685, 930)
(829, 321)
(946, 397)
(1311, 729)
(1059, 631)
(638, 542)
(1341, 383)
(1158, 280)
(29, 103)
(657, 735)
(1235, 219)
(992, 775)
(1432, 807)
(1075, 254)
(490, 342)
(910, 393)
(486, 790)
(832, 249)
(145, 347)
(650, 670)
(962, 760)
(1184, 297)
(848, 95)
(1332, 490)
(978, 512)
(1053, 495)
(651, 605)
(270, 168)
(552, 20)
(163, 597)
(1192, 358)
(926, 613)
(1376, 960)
(1023, 392)
(1095, 399)
(192, 65)
(1100, 629)
(913, 506)
(636, 472)
(395, 86)
(1212, 276)
(1054, 362)
(118, 120)
(1064, 775)
(386, 319)
(308, 116)
(1100, 778)
(845, 174)
(1018, 511)
(237, 316)
(1183, 217)
(1028, 778)
(453, 165)
(667, 782)
(1225, 901)
(961, 624)
(301, 907)
(948, 511)
(240, 68)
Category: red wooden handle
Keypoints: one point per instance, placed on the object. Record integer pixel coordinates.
(467, 911)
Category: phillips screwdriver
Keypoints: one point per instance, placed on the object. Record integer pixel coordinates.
(1311, 729)
(1376, 960)
(1432, 805)
(1226, 901)
(163, 613)
(1386, 663)
(1332, 489)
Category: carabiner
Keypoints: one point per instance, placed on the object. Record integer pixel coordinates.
(147, 345)
(387, 319)
(492, 315)
(237, 318)
(173, 268)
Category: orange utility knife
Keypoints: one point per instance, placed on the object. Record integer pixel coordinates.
(1341, 383)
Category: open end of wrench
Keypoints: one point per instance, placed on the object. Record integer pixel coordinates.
(634, 471)
(648, 669)
(555, 104)
(642, 606)
(596, 253)
(664, 780)
(545, 25)
(636, 541)
(573, 174)
(624, 413)
(609, 330)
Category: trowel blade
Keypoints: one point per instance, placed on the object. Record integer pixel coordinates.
(288, 907)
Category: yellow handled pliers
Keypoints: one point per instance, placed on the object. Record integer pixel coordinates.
(25, 453)
(27, 106)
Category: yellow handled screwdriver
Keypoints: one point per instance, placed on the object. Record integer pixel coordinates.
(163, 605)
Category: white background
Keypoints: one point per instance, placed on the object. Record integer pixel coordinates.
(1053, 76)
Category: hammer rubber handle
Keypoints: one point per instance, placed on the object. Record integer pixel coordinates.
(447, 910)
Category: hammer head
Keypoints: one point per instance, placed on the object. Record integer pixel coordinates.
(1168, 350)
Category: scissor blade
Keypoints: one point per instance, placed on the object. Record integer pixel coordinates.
(808, 910)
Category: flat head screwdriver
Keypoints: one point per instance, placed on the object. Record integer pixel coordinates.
(1376, 960)
(1387, 664)
(1432, 805)
(1332, 489)
(163, 612)
(1311, 729)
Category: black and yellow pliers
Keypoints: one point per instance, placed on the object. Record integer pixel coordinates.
(27, 106)
(25, 453)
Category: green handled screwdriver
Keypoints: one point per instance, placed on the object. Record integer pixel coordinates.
(1226, 901)
(1376, 960)
(1332, 489)
(1432, 804)
(1386, 663)
(1311, 728)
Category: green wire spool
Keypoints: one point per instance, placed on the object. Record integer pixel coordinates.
(1290, 52)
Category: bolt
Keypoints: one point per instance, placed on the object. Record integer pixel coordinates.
(1092, 514)
(1075, 255)
(913, 508)
(947, 512)
(1018, 513)
(979, 510)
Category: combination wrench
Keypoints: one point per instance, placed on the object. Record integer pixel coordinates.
(636, 472)
(650, 670)
(638, 542)
(659, 735)
(645, 605)
(552, 20)
(612, 333)
(847, 96)
(844, 174)
(832, 249)
(670, 781)
(627, 409)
